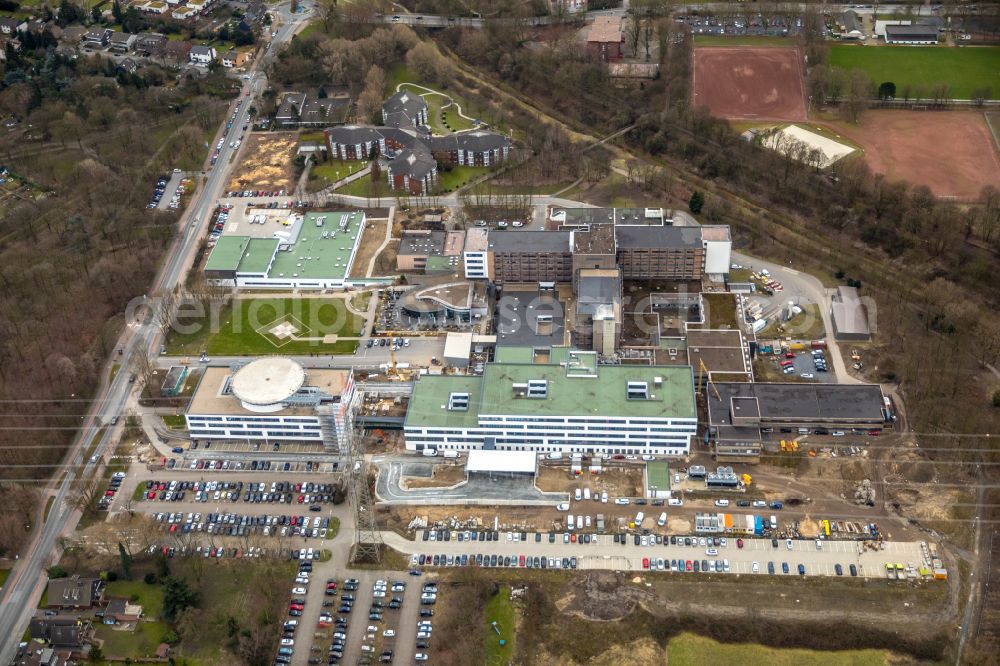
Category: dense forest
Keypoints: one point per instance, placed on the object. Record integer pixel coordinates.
(84, 147)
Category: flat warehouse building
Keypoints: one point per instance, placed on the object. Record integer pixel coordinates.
(795, 405)
(573, 406)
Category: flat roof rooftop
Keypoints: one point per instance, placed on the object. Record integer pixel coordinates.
(653, 237)
(227, 253)
(267, 381)
(799, 401)
(422, 243)
(481, 460)
(603, 395)
(530, 241)
(658, 474)
(313, 256)
(534, 319)
(429, 401)
(209, 397)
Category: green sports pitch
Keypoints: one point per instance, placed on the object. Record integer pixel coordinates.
(963, 69)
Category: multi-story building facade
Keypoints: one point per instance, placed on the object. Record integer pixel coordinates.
(271, 400)
(578, 406)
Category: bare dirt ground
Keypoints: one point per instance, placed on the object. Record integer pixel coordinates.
(386, 262)
(615, 481)
(267, 163)
(951, 152)
(444, 476)
(371, 240)
(750, 84)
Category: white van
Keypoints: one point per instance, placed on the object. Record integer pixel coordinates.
(562, 506)
(579, 522)
(604, 496)
(662, 520)
(638, 518)
(586, 493)
(554, 456)
(451, 454)
(570, 525)
(774, 522)
(587, 521)
(673, 501)
(577, 495)
(430, 453)
(803, 431)
(722, 502)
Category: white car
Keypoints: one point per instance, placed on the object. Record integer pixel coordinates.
(788, 543)
(287, 642)
(420, 656)
(517, 223)
(759, 503)
(621, 501)
(807, 375)
(562, 506)
(673, 501)
(298, 590)
(755, 568)
(722, 502)
(712, 552)
(388, 633)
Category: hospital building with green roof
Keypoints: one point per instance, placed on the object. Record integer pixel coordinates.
(574, 405)
(311, 251)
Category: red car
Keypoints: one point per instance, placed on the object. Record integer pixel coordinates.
(520, 561)
(173, 528)
(572, 538)
(874, 433)
(151, 494)
(301, 498)
(739, 543)
(687, 566)
(789, 355)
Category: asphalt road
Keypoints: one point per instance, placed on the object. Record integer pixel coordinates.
(498, 491)
(27, 580)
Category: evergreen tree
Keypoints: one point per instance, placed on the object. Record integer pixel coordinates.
(696, 202)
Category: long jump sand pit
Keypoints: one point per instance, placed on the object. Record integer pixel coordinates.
(951, 152)
(740, 83)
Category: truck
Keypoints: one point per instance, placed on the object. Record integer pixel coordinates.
(818, 344)
(451, 454)
(430, 453)
(570, 524)
(662, 520)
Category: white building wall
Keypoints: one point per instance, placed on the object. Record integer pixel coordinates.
(475, 266)
(718, 256)
(260, 428)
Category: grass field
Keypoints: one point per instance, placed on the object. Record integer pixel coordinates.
(243, 328)
(500, 610)
(362, 187)
(692, 650)
(174, 421)
(458, 176)
(4, 574)
(964, 69)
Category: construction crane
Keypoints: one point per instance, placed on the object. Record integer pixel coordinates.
(702, 371)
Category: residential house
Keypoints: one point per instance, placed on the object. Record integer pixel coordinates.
(10, 25)
(202, 55)
(413, 171)
(851, 26)
(303, 110)
(605, 38)
(60, 633)
(150, 43)
(185, 13)
(152, 7)
(911, 34)
(122, 42)
(96, 38)
(72, 34)
(32, 655)
(234, 58)
(255, 12)
(176, 53)
(121, 611)
(75, 592)
(128, 65)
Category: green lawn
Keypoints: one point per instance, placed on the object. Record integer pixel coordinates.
(692, 650)
(743, 40)
(362, 187)
(149, 596)
(396, 75)
(500, 610)
(448, 181)
(5, 573)
(333, 170)
(132, 644)
(174, 421)
(964, 69)
(242, 328)
(454, 122)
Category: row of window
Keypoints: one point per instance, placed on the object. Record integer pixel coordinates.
(308, 420)
(665, 451)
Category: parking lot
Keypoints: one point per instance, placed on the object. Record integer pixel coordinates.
(364, 617)
(603, 552)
